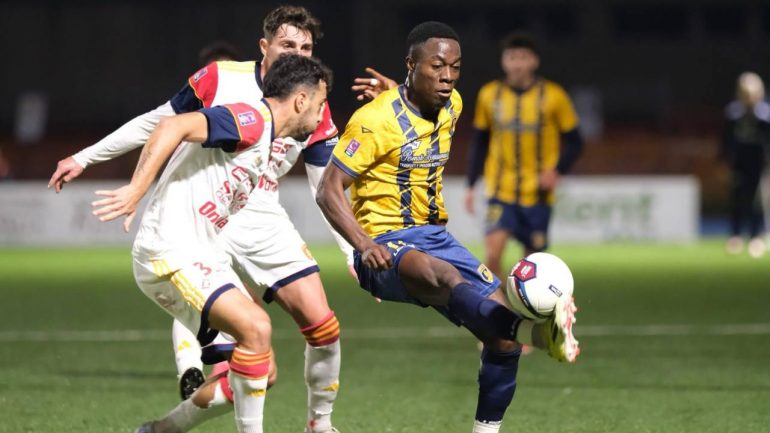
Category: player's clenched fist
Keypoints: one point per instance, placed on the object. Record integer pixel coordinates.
(377, 257)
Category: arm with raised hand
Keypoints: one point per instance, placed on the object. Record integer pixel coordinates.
(128, 137)
(369, 88)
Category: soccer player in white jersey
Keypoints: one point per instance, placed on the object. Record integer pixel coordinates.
(266, 247)
(178, 261)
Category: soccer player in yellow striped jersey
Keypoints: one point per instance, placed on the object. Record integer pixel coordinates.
(412, 148)
(521, 122)
(392, 155)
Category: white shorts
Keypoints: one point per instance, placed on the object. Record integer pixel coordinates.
(186, 285)
(266, 249)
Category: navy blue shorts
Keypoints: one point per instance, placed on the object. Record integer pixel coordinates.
(435, 241)
(527, 224)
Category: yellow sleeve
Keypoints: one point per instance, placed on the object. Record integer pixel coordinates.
(359, 147)
(482, 118)
(564, 114)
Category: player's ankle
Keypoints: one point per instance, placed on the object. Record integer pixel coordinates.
(528, 332)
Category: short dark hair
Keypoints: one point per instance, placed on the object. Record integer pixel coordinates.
(429, 29)
(519, 40)
(218, 50)
(291, 71)
(296, 16)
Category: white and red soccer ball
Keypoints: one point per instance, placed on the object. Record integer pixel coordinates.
(536, 282)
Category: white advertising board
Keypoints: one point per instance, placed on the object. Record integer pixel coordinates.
(590, 209)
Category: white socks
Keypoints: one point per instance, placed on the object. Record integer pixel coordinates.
(187, 351)
(322, 372)
(486, 427)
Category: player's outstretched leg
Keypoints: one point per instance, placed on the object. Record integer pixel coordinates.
(436, 282)
(305, 300)
(187, 354)
(212, 399)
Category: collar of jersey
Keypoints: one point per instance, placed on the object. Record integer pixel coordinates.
(415, 111)
(523, 90)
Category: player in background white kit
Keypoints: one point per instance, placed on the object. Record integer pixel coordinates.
(178, 261)
(268, 248)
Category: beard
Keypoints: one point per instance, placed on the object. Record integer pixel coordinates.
(302, 135)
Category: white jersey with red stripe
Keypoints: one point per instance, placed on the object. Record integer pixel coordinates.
(205, 184)
(228, 82)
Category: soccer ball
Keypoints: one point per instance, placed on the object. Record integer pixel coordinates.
(536, 282)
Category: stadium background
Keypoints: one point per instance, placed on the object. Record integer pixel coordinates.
(662, 70)
(675, 336)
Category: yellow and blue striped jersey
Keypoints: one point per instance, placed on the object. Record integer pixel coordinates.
(525, 137)
(397, 159)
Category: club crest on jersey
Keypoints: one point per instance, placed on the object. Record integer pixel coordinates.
(198, 75)
(524, 270)
(352, 147)
(247, 118)
(485, 273)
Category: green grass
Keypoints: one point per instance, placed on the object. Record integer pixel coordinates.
(701, 382)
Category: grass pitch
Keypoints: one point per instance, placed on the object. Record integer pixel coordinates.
(674, 338)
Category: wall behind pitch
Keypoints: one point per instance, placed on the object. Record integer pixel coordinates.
(591, 209)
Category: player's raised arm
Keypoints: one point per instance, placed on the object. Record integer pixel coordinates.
(128, 137)
(369, 87)
(166, 137)
(336, 208)
(197, 93)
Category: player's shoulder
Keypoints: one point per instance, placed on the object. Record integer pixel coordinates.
(234, 66)
(209, 75)
(490, 88)
(553, 87)
(380, 111)
(492, 85)
(247, 115)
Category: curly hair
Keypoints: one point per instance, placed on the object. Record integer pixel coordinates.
(291, 71)
(429, 29)
(296, 16)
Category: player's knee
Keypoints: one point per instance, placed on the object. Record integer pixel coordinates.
(255, 334)
(262, 331)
